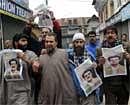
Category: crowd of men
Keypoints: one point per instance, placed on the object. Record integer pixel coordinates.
(49, 72)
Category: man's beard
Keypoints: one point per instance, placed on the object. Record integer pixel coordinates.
(22, 47)
(79, 51)
(50, 50)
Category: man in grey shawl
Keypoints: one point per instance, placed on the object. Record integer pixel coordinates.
(18, 92)
(57, 87)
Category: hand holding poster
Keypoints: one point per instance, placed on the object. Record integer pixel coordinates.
(114, 65)
(89, 79)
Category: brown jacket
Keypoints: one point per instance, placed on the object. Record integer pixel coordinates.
(57, 87)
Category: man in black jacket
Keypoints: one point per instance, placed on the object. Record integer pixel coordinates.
(114, 87)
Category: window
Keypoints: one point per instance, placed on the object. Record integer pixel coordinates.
(70, 22)
(75, 22)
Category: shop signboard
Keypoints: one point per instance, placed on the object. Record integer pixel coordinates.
(12, 9)
(114, 19)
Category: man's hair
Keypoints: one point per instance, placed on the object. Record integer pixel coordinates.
(124, 34)
(91, 70)
(52, 34)
(50, 30)
(17, 37)
(27, 31)
(92, 32)
(111, 28)
(13, 59)
(109, 58)
(17, 62)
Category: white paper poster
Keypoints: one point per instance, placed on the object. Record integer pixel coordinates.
(12, 65)
(114, 63)
(89, 79)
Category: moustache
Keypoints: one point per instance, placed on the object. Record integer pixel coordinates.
(23, 47)
(110, 37)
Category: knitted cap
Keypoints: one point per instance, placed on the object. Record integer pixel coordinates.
(78, 36)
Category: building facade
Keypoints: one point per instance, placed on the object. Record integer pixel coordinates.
(12, 19)
(92, 23)
(113, 12)
(70, 26)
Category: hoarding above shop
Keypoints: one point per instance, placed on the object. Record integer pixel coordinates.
(12, 9)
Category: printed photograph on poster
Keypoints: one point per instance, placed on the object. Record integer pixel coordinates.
(114, 65)
(13, 66)
(88, 77)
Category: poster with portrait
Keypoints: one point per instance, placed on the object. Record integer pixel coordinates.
(89, 79)
(114, 63)
(12, 65)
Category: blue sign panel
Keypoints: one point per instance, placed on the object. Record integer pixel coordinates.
(13, 8)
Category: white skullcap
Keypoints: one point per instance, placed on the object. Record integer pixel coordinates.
(78, 36)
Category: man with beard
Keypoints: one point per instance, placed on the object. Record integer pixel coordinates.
(78, 55)
(57, 87)
(114, 86)
(18, 92)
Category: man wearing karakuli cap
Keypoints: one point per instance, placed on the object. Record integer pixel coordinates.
(77, 56)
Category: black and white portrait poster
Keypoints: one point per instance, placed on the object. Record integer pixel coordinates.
(89, 79)
(114, 63)
(12, 65)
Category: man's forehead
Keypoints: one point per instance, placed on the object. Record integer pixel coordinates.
(45, 29)
(23, 38)
(110, 30)
(13, 62)
(92, 35)
(79, 40)
(87, 72)
(50, 37)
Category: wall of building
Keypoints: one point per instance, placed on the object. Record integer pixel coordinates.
(92, 25)
(70, 26)
(11, 26)
(125, 27)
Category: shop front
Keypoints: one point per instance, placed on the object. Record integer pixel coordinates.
(12, 19)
